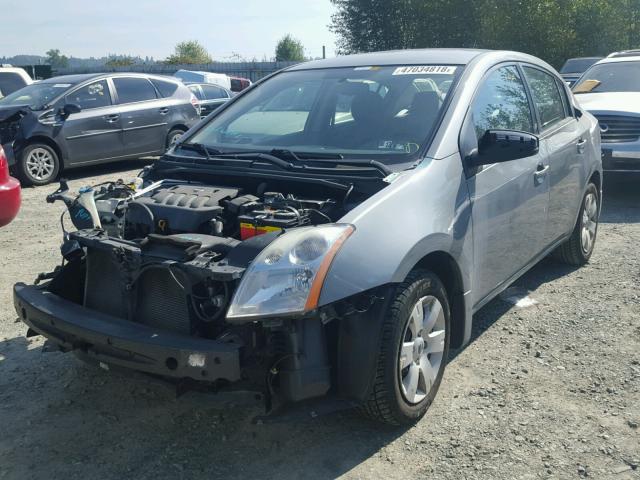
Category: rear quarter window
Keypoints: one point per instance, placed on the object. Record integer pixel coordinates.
(134, 89)
(165, 88)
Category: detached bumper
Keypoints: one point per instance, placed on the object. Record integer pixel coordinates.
(126, 344)
(621, 157)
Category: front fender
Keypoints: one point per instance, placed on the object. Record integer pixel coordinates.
(424, 211)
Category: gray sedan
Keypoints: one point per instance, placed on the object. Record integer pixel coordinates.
(79, 120)
(330, 233)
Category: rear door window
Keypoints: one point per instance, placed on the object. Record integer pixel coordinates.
(94, 95)
(546, 96)
(502, 104)
(211, 92)
(131, 90)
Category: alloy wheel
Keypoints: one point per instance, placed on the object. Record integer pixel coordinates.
(589, 223)
(421, 354)
(40, 164)
(174, 139)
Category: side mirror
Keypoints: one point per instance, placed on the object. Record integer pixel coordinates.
(505, 145)
(70, 108)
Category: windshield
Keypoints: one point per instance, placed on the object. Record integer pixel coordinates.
(377, 113)
(36, 95)
(578, 65)
(610, 77)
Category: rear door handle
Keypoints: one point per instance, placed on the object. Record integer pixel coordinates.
(112, 118)
(541, 173)
(582, 143)
(164, 110)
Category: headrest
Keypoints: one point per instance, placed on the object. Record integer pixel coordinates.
(366, 105)
(425, 102)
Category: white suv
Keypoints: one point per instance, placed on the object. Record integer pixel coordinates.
(12, 79)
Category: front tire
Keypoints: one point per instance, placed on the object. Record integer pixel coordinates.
(38, 165)
(578, 248)
(173, 136)
(413, 351)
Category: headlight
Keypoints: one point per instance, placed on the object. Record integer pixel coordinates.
(287, 276)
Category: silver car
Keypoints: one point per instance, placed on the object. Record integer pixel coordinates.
(327, 236)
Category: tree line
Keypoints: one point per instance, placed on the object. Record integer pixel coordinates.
(189, 52)
(550, 29)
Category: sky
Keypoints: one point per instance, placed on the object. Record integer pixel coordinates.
(85, 28)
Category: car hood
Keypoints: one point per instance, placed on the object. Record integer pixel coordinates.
(627, 102)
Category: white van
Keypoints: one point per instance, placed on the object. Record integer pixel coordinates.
(189, 76)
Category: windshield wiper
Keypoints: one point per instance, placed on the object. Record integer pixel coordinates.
(283, 158)
(257, 156)
(199, 148)
(301, 156)
(339, 159)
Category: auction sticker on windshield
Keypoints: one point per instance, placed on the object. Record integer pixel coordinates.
(422, 69)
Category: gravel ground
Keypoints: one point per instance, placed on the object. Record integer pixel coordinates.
(548, 391)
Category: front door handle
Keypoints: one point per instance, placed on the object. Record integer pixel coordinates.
(541, 173)
(112, 118)
(164, 111)
(581, 145)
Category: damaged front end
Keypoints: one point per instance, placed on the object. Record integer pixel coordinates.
(210, 286)
(11, 130)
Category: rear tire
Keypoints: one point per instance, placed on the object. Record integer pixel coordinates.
(38, 165)
(413, 351)
(578, 248)
(173, 136)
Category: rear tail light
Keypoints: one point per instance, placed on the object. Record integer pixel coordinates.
(4, 167)
(195, 103)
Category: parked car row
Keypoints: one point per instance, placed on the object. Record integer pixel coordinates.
(230, 83)
(78, 120)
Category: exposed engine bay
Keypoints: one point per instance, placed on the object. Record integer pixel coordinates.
(170, 228)
(169, 255)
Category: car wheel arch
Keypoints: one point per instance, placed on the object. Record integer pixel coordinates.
(596, 179)
(178, 126)
(50, 143)
(445, 267)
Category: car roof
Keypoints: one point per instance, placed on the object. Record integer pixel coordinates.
(80, 78)
(425, 56)
(624, 53)
(583, 58)
(635, 58)
(73, 79)
(188, 84)
(444, 56)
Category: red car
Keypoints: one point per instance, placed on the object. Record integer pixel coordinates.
(9, 192)
(238, 84)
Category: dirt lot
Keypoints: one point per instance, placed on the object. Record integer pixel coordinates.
(549, 391)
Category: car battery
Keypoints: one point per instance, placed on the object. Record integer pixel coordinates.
(259, 222)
